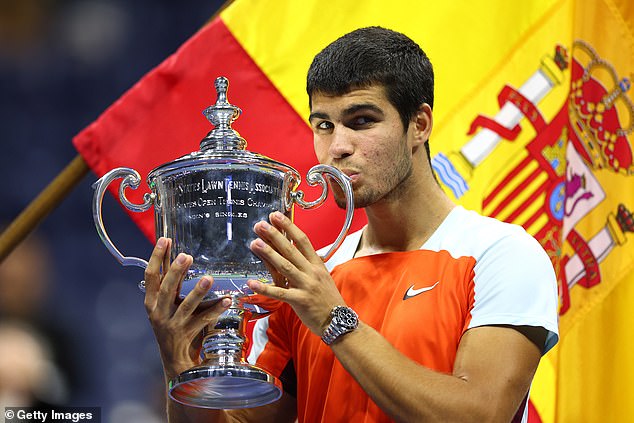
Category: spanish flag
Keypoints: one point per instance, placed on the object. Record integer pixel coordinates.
(534, 122)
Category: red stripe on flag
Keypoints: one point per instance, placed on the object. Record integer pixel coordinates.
(532, 219)
(506, 181)
(533, 414)
(160, 118)
(516, 191)
(530, 200)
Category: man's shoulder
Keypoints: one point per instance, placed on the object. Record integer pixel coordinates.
(468, 233)
(476, 223)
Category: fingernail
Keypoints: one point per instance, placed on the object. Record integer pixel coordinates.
(226, 302)
(258, 243)
(265, 225)
(181, 258)
(161, 243)
(204, 283)
(278, 215)
(254, 285)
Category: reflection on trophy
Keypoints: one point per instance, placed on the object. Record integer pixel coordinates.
(207, 202)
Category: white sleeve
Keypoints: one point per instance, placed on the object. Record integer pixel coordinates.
(515, 284)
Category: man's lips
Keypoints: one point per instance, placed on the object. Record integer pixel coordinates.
(352, 174)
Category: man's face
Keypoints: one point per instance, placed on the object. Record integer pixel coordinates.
(362, 134)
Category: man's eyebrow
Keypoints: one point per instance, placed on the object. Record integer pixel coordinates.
(354, 108)
(317, 115)
(350, 110)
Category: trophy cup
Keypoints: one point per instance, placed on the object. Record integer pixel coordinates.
(207, 202)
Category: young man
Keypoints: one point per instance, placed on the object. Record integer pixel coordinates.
(454, 309)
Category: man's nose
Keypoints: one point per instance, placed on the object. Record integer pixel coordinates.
(341, 143)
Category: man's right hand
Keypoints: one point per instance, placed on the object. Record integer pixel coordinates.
(177, 324)
(178, 329)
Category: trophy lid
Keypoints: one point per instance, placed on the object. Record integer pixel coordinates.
(222, 145)
(222, 115)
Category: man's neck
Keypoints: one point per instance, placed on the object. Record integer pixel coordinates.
(404, 224)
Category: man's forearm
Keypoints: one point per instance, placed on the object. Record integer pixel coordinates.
(408, 391)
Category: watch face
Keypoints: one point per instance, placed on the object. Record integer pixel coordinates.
(345, 317)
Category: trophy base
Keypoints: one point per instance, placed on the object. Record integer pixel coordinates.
(225, 387)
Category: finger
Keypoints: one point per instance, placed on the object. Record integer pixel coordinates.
(273, 259)
(301, 241)
(278, 278)
(171, 282)
(153, 273)
(167, 257)
(194, 298)
(275, 292)
(209, 316)
(279, 244)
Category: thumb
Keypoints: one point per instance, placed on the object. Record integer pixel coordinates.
(210, 315)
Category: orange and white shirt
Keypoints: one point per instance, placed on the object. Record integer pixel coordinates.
(473, 271)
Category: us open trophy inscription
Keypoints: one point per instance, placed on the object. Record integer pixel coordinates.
(207, 202)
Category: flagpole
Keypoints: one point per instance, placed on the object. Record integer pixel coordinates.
(42, 205)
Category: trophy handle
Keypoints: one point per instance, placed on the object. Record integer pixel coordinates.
(132, 179)
(315, 176)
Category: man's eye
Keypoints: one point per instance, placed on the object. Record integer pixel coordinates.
(362, 121)
(324, 125)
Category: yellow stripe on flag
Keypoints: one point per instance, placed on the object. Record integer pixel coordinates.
(466, 42)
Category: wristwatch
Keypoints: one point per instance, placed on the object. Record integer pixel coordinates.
(342, 320)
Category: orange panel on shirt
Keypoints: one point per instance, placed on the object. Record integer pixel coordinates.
(426, 327)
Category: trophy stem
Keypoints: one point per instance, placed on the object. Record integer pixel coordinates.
(225, 379)
(224, 342)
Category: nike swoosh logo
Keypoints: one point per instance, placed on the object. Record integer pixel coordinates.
(411, 292)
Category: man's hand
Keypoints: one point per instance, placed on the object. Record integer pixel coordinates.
(177, 327)
(299, 273)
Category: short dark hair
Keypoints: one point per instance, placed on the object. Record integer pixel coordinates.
(375, 55)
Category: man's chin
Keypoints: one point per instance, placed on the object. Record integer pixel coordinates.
(340, 200)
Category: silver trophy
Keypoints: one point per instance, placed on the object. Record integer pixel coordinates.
(207, 202)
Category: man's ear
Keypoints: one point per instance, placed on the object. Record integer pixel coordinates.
(424, 122)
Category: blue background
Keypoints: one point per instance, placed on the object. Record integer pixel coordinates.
(62, 63)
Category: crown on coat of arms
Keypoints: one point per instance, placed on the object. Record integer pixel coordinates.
(597, 106)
